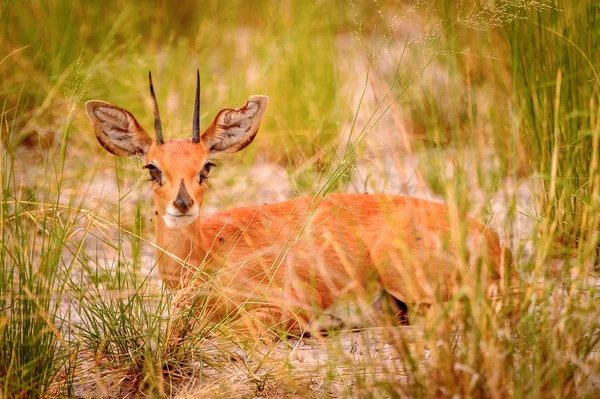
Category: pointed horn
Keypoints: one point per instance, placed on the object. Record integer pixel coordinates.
(196, 121)
(157, 124)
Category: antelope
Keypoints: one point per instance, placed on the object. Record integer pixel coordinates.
(286, 263)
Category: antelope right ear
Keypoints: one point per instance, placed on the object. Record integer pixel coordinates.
(117, 130)
(233, 129)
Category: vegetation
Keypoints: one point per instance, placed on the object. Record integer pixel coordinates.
(492, 107)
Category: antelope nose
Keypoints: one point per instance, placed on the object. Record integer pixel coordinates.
(184, 201)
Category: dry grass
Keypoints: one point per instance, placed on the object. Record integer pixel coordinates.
(492, 108)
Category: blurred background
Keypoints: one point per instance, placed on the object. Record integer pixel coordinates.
(490, 106)
(364, 96)
(375, 96)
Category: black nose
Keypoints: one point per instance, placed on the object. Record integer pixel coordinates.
(184, 201)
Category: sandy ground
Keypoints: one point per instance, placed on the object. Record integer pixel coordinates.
(387, 164)
(307, 362)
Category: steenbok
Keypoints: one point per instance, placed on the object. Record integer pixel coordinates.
(284, 264)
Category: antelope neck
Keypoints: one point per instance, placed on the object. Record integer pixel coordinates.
(185, 243)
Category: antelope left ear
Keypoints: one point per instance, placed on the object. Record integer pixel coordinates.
(117, 130)
(233, 129)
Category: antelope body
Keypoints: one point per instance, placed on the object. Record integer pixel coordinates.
(289, 261)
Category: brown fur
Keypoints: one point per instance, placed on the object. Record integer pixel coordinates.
(284, 263)
(297, 258)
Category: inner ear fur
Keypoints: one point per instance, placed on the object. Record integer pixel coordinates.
(117, 130)
(233, 129)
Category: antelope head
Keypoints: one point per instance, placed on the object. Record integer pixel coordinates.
(178, 168)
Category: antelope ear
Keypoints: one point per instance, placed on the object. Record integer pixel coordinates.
(233, 129)
(117, 130)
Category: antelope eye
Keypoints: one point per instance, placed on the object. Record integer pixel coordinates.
(155, 173)
(203, 175)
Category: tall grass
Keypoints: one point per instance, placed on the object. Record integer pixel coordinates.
(33, 348)
(484, 95)
(557, 94)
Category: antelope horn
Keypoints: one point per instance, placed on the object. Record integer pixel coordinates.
(157, 124)
(196, 121)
